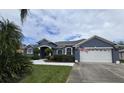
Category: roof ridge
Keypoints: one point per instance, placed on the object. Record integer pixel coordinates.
(71, 41)
(44, 39)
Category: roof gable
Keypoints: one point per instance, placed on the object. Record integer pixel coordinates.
(46, 42)
(29, 46)
(95, 37)
(43, 40)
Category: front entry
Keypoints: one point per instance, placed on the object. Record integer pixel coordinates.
(42, 52)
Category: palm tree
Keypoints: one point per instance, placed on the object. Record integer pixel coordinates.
(48, 51)
(10, 40)
(23, 14)
(12, 64)
(10, 36)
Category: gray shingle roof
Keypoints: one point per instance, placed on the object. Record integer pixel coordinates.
(43, 40)
(62, 44)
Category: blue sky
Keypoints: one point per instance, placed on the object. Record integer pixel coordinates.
(59, 25)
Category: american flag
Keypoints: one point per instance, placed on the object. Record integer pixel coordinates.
(84, 49)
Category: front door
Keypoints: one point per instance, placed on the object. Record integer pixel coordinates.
(42, 52)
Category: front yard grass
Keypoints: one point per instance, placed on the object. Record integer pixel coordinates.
(48, 74)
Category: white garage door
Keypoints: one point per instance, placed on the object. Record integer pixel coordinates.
(96, 55)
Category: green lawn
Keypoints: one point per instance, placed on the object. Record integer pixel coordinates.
(48, 74)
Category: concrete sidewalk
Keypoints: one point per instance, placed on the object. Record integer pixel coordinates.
(42, 62)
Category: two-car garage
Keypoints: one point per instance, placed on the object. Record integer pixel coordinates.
(97, 49)
(96, 55)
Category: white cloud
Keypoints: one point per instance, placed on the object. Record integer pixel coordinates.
(67, 23)
(11, 14)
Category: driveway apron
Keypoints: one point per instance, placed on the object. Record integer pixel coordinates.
(96, 73)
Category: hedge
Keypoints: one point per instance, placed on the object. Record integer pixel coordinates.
(121, 61)
(62, 58)
(33, 57)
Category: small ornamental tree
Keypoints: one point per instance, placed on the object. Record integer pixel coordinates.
(48, 51)
(36, 51)
(36, 54)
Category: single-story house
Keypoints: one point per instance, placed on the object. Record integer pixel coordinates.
(94, 49)
(29, 50)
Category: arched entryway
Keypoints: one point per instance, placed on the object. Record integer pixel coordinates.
(42, 51)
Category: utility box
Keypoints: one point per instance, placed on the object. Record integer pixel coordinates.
(117, 62)
(76, 61)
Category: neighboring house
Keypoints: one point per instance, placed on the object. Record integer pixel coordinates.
(121, 51)
(29, 50)
(21, 49)
(121, 54)
(94, 49)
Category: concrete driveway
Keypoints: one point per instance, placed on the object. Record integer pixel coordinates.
(97, 73)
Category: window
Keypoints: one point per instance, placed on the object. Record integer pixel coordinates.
(29, 51)
(68, 51)
(59, 52)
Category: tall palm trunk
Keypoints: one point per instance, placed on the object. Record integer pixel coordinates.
(23, 14)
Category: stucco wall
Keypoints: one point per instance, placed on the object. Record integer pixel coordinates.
(77, 54)
(115, 55)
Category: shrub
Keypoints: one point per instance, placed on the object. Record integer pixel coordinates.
(36, 51)
(63, 58)
(17, 67)
(50, 57)
(48, 51)
(33, 57)
(29, 56)
(121, 61)
(36, 57)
